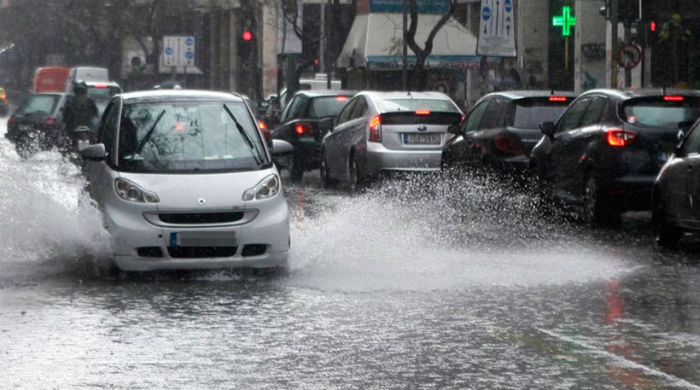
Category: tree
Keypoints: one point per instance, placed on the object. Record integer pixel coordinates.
(418, 74)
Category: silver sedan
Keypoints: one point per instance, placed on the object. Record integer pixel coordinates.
(387, 131)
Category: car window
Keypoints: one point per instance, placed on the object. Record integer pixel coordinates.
(474, 118)
(393, 105)
(38, 104)
(661, 111)
(109, 127)
(344, 115)
(187, 136)
(528, 113)
(572, 117)
(691, 144)
(359, 109)
(494, 116)
(290, 109)
(326, 106)
(594, 111)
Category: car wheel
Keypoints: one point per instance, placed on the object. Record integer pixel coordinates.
(326, 181)
(595, 210)
(665, 234)
(296, 169)
(354, 177)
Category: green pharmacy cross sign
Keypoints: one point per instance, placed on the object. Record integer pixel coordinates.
(565, 21)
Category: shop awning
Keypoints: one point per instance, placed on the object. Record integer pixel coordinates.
(374, 42)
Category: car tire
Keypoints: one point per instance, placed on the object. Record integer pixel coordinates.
(326, 181)
(596, 211)
(665, 235)
(296, 169)
(355, 181)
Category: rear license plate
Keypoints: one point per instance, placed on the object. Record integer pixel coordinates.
(422, 139)
(25, 127)
(188, 239)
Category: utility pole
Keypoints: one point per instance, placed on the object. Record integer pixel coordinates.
(614, 13)
(327, 60)
(404, 68)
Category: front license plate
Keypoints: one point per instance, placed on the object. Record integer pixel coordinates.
(203, 239)
(421, 139)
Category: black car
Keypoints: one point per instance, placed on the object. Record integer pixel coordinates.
(603, 154)
(676, 193)
(502, 128)
(303, 123)
(37, 124)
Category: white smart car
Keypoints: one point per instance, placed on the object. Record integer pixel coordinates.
(185, 180)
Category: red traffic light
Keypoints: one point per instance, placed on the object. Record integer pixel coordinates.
(652, 26)
(247, 35)
(316, 61)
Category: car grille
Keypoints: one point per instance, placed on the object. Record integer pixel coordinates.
(196, 252)
(200, 218)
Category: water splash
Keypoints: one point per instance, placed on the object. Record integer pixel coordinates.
(427, 233)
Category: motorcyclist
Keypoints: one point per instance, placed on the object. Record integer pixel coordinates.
(80, 111)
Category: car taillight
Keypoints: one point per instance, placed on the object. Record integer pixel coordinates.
(341, 98)
(674, 98)
(557, 98)
(264, 129)
(375, 129)
(619, 137)
(50, 121)
(302, 128)
(422, 112)
(507, 145)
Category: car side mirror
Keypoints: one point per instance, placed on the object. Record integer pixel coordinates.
(454, 129)
(94, 152)
(547, 128)
(281, 147)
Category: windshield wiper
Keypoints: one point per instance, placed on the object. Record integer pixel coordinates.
(148, 135)
(246, 137)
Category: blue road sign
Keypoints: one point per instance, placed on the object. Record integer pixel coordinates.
(508, 5)
(486, 13)
(189, 41)
(189, 55)
(169, 51)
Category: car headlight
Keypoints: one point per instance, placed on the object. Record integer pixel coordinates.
(130, 192)
(267, 188)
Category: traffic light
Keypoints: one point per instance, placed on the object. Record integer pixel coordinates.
(316, 65)
(246, 43)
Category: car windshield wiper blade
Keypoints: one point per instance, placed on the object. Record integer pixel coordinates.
(244, 134)
(149, 134)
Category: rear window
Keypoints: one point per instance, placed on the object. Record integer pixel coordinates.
(327, 106)
(434, 118)
(438, 105)
(660, 111)
(529, 113)
(38, 104)
(103, 92)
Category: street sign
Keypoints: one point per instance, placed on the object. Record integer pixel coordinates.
(629, 56)
(178, 51)
(497, 29)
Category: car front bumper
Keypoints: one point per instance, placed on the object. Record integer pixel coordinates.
(132, 232)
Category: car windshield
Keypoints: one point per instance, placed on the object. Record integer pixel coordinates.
(189, 136)
(440, 105)
(327, 106)
(38, 104)
(529, 113)
(661, 112)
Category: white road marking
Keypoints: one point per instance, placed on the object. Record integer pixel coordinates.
(675, 381)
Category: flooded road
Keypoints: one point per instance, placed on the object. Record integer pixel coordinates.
(419, 283)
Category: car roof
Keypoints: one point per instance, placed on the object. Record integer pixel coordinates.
(324, 92)
(635, 93)
(180, 94)
(521, 94)
(406, 95)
